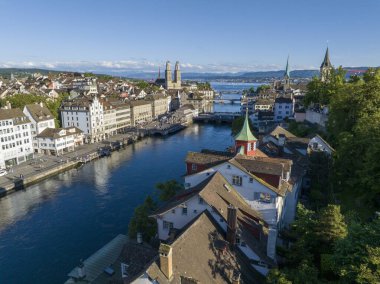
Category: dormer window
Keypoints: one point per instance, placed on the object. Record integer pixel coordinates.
(237, 180)
(184, 211)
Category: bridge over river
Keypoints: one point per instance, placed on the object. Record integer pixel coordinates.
(218, 117)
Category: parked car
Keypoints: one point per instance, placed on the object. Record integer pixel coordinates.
(3, 172)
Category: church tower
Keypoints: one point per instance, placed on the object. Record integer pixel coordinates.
(177, 76)
(168, 76)
(287, 76)
(326, 67)
(245, 142)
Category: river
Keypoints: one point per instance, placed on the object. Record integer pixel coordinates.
(47, 228)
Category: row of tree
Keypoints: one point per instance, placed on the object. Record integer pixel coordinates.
(21, 100)
(325, 244)
(328, 249)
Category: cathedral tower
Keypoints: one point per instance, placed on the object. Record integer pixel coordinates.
(177, 76)
(168, 76)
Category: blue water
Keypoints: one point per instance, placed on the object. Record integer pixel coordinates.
(230, 87)
(46, 229)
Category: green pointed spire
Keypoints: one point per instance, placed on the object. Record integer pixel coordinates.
(287, 71)
(245, 133)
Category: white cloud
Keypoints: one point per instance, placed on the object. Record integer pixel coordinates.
(143, 66)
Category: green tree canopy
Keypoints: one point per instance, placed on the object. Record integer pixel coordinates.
(141, 222)
(357, 257)
(168, 189)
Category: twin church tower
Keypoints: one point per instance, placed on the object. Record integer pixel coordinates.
(169, 83)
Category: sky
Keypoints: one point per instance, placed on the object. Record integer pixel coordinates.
(204, 35)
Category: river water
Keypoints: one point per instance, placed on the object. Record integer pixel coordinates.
(47, 228)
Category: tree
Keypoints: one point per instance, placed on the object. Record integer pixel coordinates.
(275, 276)
(356, 258)
(319, 92)
(331, 226)
(262, 88)
(141, 222)
(168, 189)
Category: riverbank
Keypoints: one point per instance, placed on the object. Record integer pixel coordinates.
(43, 166)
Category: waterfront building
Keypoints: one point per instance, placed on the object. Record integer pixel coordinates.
(159, 104)
(123, 114)
(141, 112)
(58, 141)
(326, 67)
(267, 184)
(109, 118)
(40, 118)
(169, 83)
(16, 142)
(283, 108)
(85, 113)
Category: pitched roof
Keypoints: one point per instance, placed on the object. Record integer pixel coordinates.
(54, 132)
(279, 130)
(283, 100)
(100, 260)
(206, 159)
(326, 61)
(245, 133)
(15, 114)
(39, 113)
(281, 190)
(202, 253)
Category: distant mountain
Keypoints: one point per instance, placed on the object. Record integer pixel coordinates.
(243, 76)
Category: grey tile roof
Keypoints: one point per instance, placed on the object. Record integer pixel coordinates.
(39, 113)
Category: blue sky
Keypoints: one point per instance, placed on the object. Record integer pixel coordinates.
(215, 35)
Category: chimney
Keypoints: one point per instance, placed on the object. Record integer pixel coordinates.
(166, 260)
(236, 277)
(8, 105)
(231, 224)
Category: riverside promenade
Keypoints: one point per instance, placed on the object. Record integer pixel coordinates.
(43, 166)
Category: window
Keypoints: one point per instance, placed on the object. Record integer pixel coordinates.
(195, 211)
(228, 166)
(249, 147)
(173, 211)
(193, 167)
(201, 201)
(167, 225)
(250, 180)
(184, 211)
(237, 180)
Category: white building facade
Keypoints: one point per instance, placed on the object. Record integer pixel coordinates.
(15, 137)
(87, 114)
